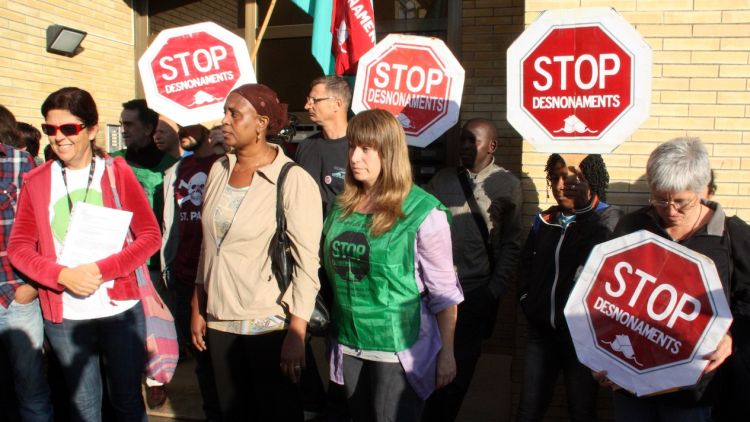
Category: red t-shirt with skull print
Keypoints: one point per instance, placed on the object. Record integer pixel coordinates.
(189, 186)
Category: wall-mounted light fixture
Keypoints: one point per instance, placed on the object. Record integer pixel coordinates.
(64, 40)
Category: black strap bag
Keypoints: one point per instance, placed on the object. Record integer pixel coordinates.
(282, 262)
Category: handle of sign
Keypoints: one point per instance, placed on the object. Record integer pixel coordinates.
(263, 30)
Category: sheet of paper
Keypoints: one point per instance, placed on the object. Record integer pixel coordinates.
(94, 233)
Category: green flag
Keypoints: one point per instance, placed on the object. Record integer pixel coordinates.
(322, 38)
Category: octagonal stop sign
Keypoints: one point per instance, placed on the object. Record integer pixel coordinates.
(188, 72)
(415, 78)
(578, 81)
(647, 310)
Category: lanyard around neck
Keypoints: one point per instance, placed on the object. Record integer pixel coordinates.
(92, 167)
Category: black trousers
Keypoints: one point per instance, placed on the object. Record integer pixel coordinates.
(249, 380)
(476, 314)
(379, 392)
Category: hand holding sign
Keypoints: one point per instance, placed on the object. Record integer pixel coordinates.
(649, 312)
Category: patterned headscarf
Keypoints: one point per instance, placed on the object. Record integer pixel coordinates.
(266, 103)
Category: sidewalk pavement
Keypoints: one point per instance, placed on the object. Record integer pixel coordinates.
(489, 398)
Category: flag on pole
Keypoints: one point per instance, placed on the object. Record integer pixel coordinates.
(322, 38)
(354, 29)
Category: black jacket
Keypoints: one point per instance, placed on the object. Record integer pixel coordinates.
(725, 240)
(551, 261)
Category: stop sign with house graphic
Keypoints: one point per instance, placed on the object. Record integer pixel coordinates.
(578, 81)
(189, 71)
(647, 310)
(415, 78)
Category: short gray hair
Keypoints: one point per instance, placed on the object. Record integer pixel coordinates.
(679, 164)
(336, 86)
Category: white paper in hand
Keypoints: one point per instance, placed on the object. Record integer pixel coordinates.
(94, 233)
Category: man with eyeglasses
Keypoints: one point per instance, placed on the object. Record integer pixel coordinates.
(324, 154)
(149, 163)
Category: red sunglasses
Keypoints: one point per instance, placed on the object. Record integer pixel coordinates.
(68, 129)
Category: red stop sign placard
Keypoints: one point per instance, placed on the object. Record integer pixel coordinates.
(647, 310)
(188, 72)
(643, 289)
(192, 76)
(578, 81)
(415, 78)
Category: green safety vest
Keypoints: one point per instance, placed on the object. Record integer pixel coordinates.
(376, 300)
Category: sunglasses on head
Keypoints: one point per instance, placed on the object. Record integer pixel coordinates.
(68, 129)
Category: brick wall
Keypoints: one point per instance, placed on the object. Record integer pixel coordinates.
(28, 73)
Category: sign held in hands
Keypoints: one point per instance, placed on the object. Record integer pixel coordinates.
(647, 310)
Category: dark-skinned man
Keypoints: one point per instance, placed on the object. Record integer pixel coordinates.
(485, 201)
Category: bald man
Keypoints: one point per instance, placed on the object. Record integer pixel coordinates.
(485, 200)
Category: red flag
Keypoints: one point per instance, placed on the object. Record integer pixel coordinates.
(353, 30)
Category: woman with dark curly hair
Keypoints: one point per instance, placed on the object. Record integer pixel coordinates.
(558, 244)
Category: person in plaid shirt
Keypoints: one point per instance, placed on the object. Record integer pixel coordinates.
(21, 328)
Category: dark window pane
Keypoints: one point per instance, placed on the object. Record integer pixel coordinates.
(284, 13)
(287, 66)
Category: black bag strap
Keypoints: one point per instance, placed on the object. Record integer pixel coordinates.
(463, 178)
(280, 217)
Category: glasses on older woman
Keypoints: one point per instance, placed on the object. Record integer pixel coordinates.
(678, 204)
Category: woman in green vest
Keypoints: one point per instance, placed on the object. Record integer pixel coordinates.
(387, 252)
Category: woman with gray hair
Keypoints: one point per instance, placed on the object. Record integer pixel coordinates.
(678, 172)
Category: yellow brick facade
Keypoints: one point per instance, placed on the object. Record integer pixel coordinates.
(28, 73)
(701, 87)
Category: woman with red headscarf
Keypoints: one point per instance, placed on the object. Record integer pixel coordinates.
(254, 331)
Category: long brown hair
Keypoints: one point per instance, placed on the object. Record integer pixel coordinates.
(378, 129)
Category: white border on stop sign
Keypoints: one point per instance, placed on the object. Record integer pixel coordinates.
(454, 70)
(657, 379)
(174, 111)
(627, 122)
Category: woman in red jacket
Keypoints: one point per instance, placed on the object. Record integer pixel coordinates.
(92, 312)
